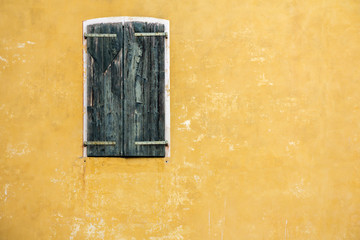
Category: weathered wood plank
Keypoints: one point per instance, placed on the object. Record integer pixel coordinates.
(161, 89)
(99, 93)
(140, 106)
(132, 52)
(146, 73)
(91, 110)
(109, 125)
(117, 91)
(95, 112)
(154, 90)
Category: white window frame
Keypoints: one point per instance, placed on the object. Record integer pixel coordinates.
(123, 20)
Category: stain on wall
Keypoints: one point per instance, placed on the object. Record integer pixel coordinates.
(264, 125)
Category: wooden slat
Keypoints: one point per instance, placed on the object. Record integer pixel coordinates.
(147, 95)
(117, 80)
(131, 50)
(98, 98)
(161, 90)
(154, 91)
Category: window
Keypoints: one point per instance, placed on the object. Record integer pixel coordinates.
(126, 87)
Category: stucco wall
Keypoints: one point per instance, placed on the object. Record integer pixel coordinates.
(264, 125)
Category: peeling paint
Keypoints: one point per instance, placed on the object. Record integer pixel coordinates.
(263, 81)
(3, 59)
(96, 230)
(17, 150)
(186, 125)
(6, 191)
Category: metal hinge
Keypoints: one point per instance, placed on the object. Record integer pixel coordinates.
(98, 143)
(86, 35)
(151, 34)
(152, 143)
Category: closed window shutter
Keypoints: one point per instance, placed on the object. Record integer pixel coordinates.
(105, 116)
(126, 85)
(144, 83)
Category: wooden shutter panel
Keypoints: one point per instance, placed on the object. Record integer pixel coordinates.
(105, 94)
(144, 83)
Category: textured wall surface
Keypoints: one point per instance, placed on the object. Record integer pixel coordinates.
(265, 125)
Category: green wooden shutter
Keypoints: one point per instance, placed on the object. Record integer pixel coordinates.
(126, 87)
(105, 94)
(144, 83)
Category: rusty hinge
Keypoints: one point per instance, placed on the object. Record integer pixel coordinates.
(151, 34)
(86, 35)
(152, 143)
(87, 143)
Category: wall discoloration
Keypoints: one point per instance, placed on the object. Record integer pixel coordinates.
(265, 134)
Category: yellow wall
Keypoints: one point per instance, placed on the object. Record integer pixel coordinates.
(265, 113)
